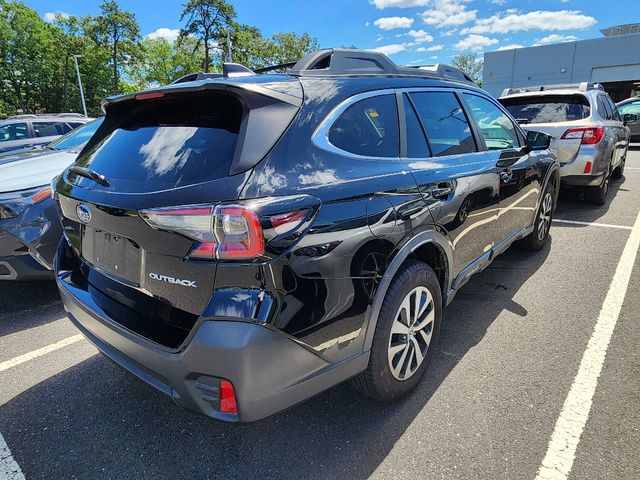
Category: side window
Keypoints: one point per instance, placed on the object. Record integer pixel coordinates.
(417, 146)
(445, 123)
(603, 108)
(632, 108)
(14, 131)
(48, 129)
(612, 106)
(496, 127)
(369, 128)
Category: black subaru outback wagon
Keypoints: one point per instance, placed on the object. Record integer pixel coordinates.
(246, 241)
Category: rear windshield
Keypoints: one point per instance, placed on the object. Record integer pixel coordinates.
(548, 108)
(166, 143)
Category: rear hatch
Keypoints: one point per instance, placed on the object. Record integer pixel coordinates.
(182, 149)
(554, 115)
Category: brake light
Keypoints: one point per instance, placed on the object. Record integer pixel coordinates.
(149, 96)
(223, 232)
(228, 402)
(587, 168)
(588, 135)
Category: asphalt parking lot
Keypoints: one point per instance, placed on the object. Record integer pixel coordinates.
(511, 348)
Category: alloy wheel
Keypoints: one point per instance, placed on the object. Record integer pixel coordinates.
(544, 220)
(411, 333)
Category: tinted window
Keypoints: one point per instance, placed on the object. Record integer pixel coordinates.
(612, 106)
(547, 108)
(162, 144)
(447, 128)
(13, 131)
(48, 129)
(497, 129)
(78, 137)
(416, 142)
(603, 109)
(369, 128)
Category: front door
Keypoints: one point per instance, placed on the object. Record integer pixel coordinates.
(458, 181)
(519, 171)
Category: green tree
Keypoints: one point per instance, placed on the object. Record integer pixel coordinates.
(208, 21)
(163, 62)
(118, 30)
(470, 64)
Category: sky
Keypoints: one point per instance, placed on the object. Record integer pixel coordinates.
(409, 31)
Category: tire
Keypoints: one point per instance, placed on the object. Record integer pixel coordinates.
(537, 239)
(619, 171)
(598, 195)
(401, 337)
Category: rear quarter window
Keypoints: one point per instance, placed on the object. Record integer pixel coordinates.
(368, 128)
(548, 108)
(166, 143)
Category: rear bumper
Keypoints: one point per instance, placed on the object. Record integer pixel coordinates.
(269, 370)
(572, 173)
(23, 267)
(586, 180)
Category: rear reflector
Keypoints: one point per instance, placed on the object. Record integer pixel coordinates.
(587, 135)
(228, 402)
(587, 168)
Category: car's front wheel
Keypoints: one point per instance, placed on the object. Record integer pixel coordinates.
(537, 239)
(405, 334)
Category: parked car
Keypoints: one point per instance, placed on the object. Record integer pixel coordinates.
(244, 242)
(29, 226)
(26, 131)
(631, 106)
(590, 137)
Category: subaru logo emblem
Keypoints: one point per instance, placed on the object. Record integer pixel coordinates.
(83, 212)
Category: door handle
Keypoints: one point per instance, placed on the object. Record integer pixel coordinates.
(441, 192)
(506, 176)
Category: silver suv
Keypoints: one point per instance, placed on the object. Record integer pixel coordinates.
(26, 131)
(590, 137)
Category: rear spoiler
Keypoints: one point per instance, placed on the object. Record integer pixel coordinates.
(286, 89)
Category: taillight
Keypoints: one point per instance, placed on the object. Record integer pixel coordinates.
(225, 232)
(587, 135)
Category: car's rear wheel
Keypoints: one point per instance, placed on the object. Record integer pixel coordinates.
(598, 195)
(619, 171)
(405, 334)
(538, 238)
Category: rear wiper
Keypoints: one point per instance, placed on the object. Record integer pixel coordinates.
(90, 174)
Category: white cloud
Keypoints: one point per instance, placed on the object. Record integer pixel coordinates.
(435, 48)
(434, 57)
(169, 34)
(475, 42)
(555, 38)
(513, 46)
(391, 49)
(390, 23)
(420, 36)
(51, 16)
(499, 2)
(447, 13)
(382, 4)
(537, 20)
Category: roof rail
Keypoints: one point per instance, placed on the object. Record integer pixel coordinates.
(582, 87)
(39, 115)
(335, 62)
(360, 62)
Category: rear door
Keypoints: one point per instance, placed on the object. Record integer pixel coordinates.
(519, 170)
(47, 131)
(458, 180)
(618, 130)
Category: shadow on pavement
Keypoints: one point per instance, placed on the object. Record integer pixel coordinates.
(94, 420)
(571, 205)
(28, 304)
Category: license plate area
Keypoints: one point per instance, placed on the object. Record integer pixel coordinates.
(112, 253)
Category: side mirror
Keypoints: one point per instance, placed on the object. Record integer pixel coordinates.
(538, 140)
(629, 118)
